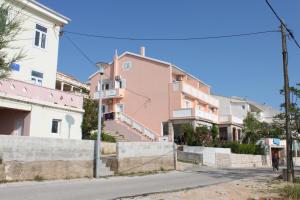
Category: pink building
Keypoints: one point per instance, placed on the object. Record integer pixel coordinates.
(150, 99)
(29, 103)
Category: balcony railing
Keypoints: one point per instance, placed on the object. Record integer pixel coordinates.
(112, 93)
(230, 119)
(16, 88)
(195, 113)
(196, 93)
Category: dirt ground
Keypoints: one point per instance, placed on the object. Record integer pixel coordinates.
(245, 189)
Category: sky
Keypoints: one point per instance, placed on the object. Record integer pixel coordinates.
(249, 67)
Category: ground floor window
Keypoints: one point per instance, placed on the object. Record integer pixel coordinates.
(223, 133)
(165, 128)
(56, 124)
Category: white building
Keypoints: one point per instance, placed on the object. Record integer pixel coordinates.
(29, 103)
(233, 111)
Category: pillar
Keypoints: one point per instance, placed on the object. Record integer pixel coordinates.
(171, 131)
(62, 86)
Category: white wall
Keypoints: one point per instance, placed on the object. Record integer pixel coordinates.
(209, 153)
(41, 60)
(44, 117)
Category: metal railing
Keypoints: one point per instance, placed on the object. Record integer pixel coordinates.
(137, 126)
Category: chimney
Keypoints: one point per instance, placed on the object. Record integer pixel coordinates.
(142, 51)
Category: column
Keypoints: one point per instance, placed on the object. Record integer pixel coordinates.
(171, 131)
(62, 86)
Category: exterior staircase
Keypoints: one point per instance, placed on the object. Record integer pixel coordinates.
(105, 170)
(125, 128)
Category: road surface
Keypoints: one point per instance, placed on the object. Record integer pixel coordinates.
(117, 187)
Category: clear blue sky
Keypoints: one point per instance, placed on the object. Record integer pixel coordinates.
(247, 67)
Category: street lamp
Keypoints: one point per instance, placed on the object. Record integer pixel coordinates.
(101, 66)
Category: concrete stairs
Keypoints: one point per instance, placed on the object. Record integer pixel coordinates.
(104, 170)
(122, 132)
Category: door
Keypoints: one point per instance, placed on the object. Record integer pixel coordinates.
(18, 131)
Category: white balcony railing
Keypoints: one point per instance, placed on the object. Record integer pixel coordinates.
(189, 112)
(111, 93)
(196, 93)
(230, 119)
(137, 126)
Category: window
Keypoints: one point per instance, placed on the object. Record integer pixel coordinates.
(243, 107)
(120, 107)
(127, 65)
(40, 36)
(37, 78)
(187, 104)
(56, 123)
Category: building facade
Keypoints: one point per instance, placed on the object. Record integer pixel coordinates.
(233, 111)
(70, 84)
(29, 103)
(149, 99)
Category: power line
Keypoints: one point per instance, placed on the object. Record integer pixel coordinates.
(169, 39)
(80, 51)
(281, 21)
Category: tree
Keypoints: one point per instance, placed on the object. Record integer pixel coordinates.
(294, 109)
(252, 129)
(214, 132)
(90, 118)
(10, 27)
(196, 137)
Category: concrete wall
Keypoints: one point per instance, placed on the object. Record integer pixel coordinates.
(136, 157)
(209, 153)
(24, 158)
(108, 148)
(190, 157)
(222, 157)
(242, 160)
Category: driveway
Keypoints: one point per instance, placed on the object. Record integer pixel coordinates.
(117, 187)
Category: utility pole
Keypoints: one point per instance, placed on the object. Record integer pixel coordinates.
(289, 155)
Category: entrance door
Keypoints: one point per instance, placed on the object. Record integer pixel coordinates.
(18, 131)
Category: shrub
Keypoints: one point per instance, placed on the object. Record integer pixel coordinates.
(244, 148)
(104, 137)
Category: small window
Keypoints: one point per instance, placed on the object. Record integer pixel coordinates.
(56, 123)
(40, 36)
(127, 65)
(243, 107)
(37, 78)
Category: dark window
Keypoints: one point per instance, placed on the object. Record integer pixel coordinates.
(41, 28)
(223, 133)
(106, 86)
(55, 126)
(165, 128)
(37, 74)
(40, 36)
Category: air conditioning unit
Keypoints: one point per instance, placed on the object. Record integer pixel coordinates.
(118, 78)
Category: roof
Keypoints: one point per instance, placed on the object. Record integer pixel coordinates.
(155, 60)
(45, 10)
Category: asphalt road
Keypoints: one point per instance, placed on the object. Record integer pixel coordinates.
(117, 187)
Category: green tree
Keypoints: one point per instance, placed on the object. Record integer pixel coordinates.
(279, 120)
(252, 129)
(214, 132)
(10, 27)
(90, 118)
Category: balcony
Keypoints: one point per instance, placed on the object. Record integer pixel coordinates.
(195, 113)
(230, 119)
(18, 89)
(195, 93)
(112, 93)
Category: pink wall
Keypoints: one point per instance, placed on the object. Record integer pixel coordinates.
(149, 79)
(23, 89)
(8, 119)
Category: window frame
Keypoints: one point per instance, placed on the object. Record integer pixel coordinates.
(58, 128)
(36, 79)
(42, 39)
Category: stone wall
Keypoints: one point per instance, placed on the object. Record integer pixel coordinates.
(190, 157)
(29, 158)
(134, 157)
(242, 160)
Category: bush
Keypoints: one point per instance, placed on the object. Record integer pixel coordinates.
(244, 148)
(104, 137)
